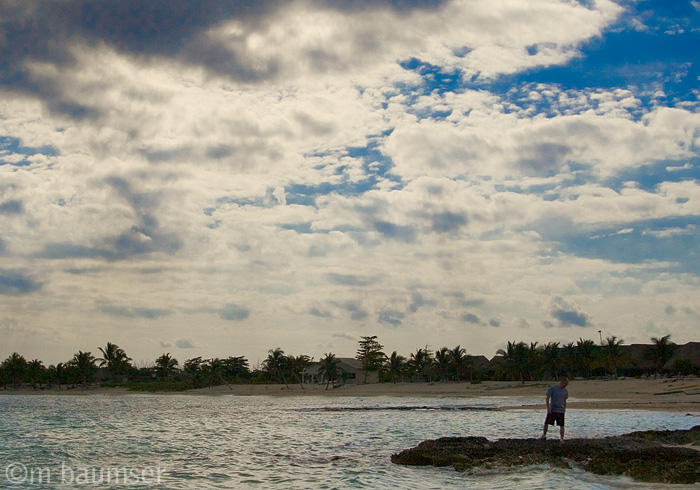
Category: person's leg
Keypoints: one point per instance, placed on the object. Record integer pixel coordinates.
(547, 421)
(560, 423)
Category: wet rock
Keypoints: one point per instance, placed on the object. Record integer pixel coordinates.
(650, 456)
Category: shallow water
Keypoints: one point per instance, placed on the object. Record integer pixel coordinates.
(183, 441)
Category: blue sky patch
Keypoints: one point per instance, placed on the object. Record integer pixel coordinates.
(674, 240)
(435, 78)
(649, 176)
(375, 166)
(10, 145)
(16, 283)
(663, 56)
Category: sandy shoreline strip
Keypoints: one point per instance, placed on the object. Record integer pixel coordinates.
(676, 395)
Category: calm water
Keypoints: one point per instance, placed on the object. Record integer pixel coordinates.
(198, 442)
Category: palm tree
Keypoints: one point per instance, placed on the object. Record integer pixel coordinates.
(612, 354)
(442, 359)
(421, 361)
(397, 364)
(214, 368)
(585, 350)
(460, 361)
(166, 365)
(236, 367)
(661, 351)
(515, 357)
(297, 366)
(84, 367)
(328, 368)
(114, 358)
(550, 358)
(36, 372)
(193, 368)
(14, 368)
(276, 365)
(569, 355)
(533, 361)
(61, 374)
(51, 376)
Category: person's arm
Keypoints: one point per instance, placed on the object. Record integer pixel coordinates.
(547, 402)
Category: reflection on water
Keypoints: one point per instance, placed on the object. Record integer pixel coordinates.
(295, 442)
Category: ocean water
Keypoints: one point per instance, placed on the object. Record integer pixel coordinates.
(195, 442)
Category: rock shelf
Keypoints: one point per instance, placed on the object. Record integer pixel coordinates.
(649, 456)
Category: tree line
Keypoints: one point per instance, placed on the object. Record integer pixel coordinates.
(517, 361)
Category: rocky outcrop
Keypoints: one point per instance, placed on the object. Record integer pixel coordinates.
(650, 456)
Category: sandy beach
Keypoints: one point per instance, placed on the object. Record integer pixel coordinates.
(671, 394)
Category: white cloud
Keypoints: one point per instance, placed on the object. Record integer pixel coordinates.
(207, 163)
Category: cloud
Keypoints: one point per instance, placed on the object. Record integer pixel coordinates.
(69, 250)
(397, 232)
(16, 283)
(233, 312)
(142, 233)
(448, 222)
(132, 312)
(349, 279)
(471, 318)
(495, 323)
(131, 27)
(357, 312)
(462, 300)
(13, 206)
(418, 301)
(184, 344)
(78, 271)
(404, 151)
(392, 317)
(320, 313)
(568, 315)
(233, 39)
(344, 336)
(146, 236)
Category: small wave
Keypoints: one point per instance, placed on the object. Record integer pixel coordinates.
(397, 408)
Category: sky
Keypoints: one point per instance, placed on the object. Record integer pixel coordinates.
(214, 178)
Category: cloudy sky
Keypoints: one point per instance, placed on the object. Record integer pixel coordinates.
(217, 178)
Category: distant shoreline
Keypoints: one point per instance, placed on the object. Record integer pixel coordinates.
(673, 394)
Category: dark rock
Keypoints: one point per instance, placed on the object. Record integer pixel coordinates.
(651, 456)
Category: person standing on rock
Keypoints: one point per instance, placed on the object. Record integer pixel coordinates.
(556, 407)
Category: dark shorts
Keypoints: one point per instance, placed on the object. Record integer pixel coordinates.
(555, 417)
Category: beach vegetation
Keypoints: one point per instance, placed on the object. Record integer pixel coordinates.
(460, 363)
(276, 366)
(612, 354)
(370, 353)
(661, 351)
(420, 364)
(13, 369)
(328, 368)
(516, 361)
(114, 359)
(396, 366)
(82, 368)
(297, 365)
(166, 366)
